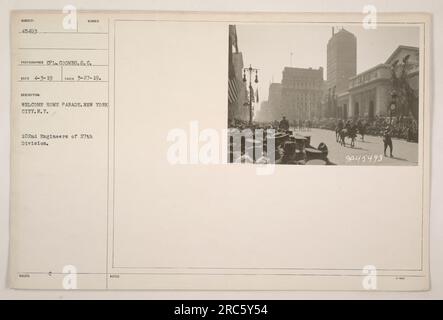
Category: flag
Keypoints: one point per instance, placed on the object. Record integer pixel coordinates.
(233, 90)
(256, 96)
(251, 94)
(233, 86)
(246, 103)
(233, 35)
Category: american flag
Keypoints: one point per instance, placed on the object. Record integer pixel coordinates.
(233, 85)
(233, 90)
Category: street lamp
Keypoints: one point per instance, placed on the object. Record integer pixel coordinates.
(250, 70)
(393, 105)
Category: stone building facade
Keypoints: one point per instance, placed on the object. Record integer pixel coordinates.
(369, 92)
(301, 93)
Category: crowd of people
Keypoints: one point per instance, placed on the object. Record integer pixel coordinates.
(288, 147)
(402, 128)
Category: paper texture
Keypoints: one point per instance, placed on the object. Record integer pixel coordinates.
(124, 175)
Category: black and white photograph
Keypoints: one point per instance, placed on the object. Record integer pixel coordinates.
(319, 94)
(154, 152)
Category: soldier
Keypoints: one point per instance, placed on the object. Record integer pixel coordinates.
(352, 133)
(387, 140)
(361, 129)
(284, 124)
(410, 133)
(338, 128)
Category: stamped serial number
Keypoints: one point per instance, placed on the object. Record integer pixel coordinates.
(364, 158)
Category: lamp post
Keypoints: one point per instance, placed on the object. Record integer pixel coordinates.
(250, 70)
(393, 105)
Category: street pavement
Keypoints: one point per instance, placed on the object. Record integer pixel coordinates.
(368, 152)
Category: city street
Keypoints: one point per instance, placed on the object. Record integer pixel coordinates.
(368, 152)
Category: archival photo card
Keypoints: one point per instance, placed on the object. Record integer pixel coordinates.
(219, 151)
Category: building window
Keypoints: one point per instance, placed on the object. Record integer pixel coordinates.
(356, 110)
(371, 110)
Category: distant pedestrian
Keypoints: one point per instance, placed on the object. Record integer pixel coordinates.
(387, 141)
(410, 133)
(284, 124)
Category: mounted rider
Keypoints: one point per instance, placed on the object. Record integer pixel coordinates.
(338, 128)
(362, 129)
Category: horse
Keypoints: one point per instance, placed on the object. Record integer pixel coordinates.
(362, 131)
(347, 133)
(337, 134)
(338, 128)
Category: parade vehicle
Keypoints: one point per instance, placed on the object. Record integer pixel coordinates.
(289, 148)
(301, 151)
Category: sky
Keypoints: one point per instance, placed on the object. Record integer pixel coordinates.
(269, 47)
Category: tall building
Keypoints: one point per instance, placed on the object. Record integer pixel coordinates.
(274, 100)
(264, 114)
(301, 93)
(271, 110)
(236, 86)
(341, 60)
(341, 65)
